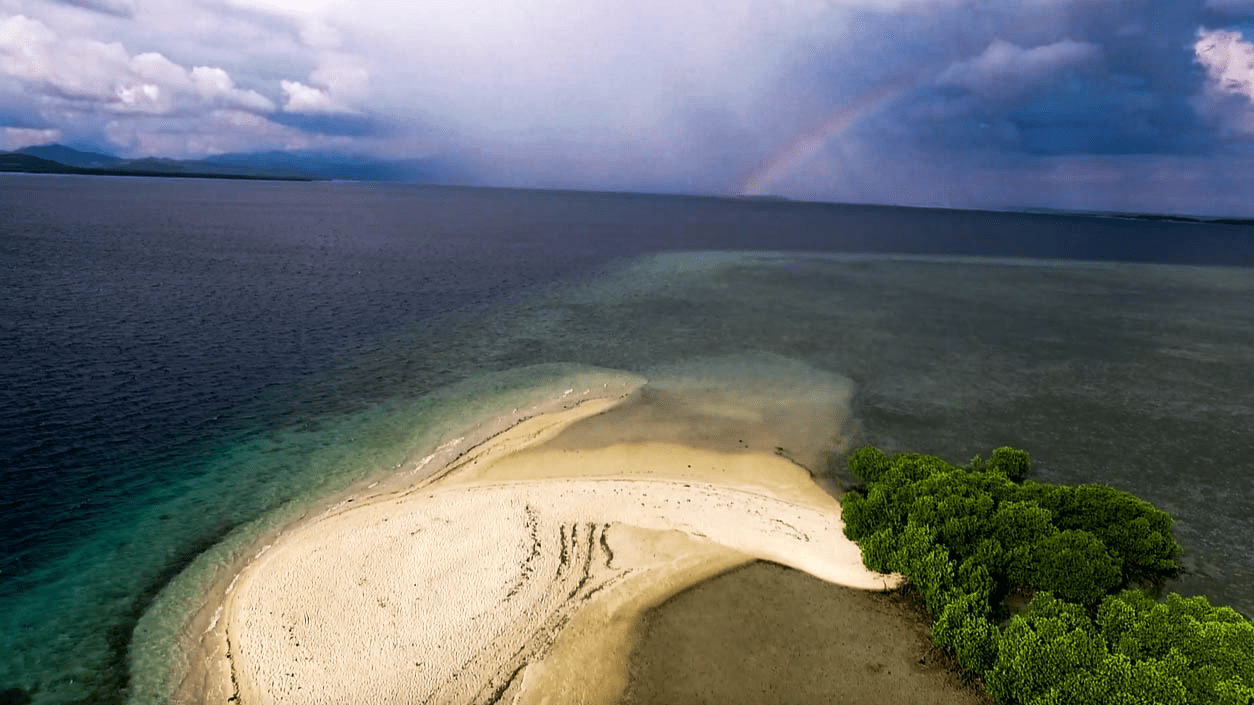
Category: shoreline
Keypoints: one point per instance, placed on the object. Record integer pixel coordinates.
(187, 674)
(637, 523)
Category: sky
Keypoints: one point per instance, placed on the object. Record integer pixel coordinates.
(1123, 105)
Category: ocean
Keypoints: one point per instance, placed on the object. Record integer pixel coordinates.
(185, 363)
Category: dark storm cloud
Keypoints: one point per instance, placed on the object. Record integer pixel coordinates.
(1097, 78)
(1021, 103)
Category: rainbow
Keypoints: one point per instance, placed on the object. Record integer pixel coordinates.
(804, 146)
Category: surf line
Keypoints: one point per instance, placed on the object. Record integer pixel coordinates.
(804, 146)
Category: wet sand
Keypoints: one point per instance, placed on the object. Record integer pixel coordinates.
(764, 633)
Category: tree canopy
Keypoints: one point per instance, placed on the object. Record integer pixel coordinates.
(1089, 555)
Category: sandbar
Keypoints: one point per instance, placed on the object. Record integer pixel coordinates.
(519, 573)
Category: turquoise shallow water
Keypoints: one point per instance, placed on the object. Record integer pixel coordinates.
(235, 414)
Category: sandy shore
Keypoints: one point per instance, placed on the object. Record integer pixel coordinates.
(520, 574)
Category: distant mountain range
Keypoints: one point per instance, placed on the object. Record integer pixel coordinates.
(294, 166)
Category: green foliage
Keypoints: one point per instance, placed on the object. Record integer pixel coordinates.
(962, 535)
(964, 627)
(1134, 530)
(1041, 650)
(975, 580)
(976, 644)
(933, 574)
(878, 509)
(1018, 524)
(853, 514)
(879, 551)
(1117, 680)
(1019, 527)
(1233, 693)
(868, 463)
(925, 564)
(1076, 566)
(1210, 650)
(916, 466)
(1116, 617)
(990, 554)
(1010, 463)
(913, 544)
(957, 508)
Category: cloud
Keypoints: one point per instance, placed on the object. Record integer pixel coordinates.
(1004, 65)
(86, 72)
(1227, 98)
(117, 8)
(1071, 83)
(346, 76)
(308, 99)
(215, 85)
(1229, 61)
(14, 138)
(78, 68)
(316, 33)
(218, 131)
(499, 68)
(339, 124)
(665, 95)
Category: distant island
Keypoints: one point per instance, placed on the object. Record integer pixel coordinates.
(331, 166)
(1118, 215)
(269, 166)
(760, 197)
(27, 164)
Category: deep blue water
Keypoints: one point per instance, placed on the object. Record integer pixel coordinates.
(179, 357)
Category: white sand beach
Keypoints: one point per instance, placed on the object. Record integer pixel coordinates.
(519, 574)
(445, 596)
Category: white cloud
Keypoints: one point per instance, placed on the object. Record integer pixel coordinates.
(317, 33)
(346, 76)
(1004, 66)
(216, 86)
(308, 99)
(13, 138)
(88, 73)
(1229, 61)
(157, 68)
(145, 97)
(341, 78)
(31, 51)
